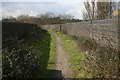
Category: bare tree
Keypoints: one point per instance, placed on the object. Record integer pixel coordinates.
(97, 9)
(93, 9)
(104, 9)
(84, 15)
(88, 8)
(23, 18)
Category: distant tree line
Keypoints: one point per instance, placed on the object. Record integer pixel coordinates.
(43, 19)
(97, 9)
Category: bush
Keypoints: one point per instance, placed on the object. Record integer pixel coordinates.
(25, 50)
(101, 61)
(18, 61)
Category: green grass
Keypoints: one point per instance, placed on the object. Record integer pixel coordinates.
(76, 56)
(52, 57)
(43, 45)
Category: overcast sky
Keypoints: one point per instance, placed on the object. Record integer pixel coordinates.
(33, 7)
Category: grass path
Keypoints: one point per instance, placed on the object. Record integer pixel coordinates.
(62, 66)
(59, 56)
(76, 57)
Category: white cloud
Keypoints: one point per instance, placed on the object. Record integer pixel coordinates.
(32, 9)
(41, 0)
(76, 12)
(52, 0)
(73, 7)
(17, 13)
(0, 11)
(76, 8)
(73, 4)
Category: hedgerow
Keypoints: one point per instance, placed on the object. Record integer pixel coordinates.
(17, 60)
(101, 61)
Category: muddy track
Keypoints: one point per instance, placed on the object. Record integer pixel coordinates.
(62, 60)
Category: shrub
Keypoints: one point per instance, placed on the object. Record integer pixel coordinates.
(18, 61)
(101, 61)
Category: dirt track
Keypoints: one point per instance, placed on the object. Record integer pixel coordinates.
(62, 60)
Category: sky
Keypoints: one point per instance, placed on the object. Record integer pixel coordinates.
(34, 7)
(16, 8)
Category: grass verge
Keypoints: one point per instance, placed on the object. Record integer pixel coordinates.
(52, 58)
(44, 46)
(76, 56)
